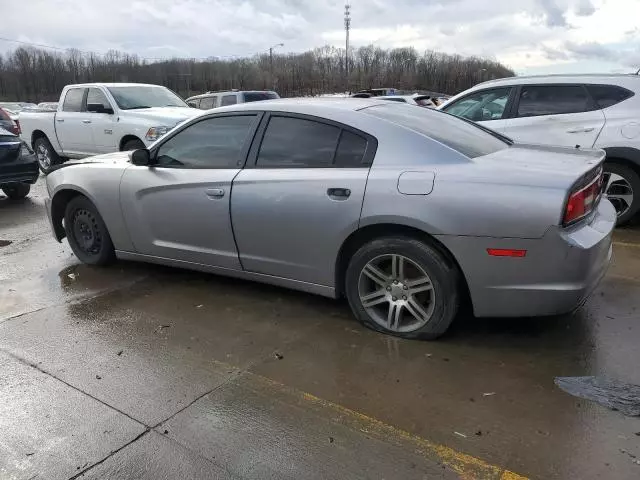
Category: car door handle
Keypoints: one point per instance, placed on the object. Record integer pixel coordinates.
(86, 121)
(581, 130)
(214, 192)
(338, 193)
(60, 120)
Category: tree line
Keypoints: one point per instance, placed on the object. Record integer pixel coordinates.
(35, 75)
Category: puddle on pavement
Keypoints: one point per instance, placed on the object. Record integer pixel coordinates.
(4, 243)
(618, 396)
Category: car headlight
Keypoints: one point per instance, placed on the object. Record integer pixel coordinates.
(155, 133)
(25, 149)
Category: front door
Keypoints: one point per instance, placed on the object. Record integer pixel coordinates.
(102, 124)
(72, 128)
(555, 115)
(301, 198)
(179, 208)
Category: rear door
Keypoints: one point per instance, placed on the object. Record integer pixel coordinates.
(299, 196)
(555, 115)
(488, 107)
(72, 127)
(102, 124)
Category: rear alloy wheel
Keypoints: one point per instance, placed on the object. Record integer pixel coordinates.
(17, 191)
(623, 190)
(45, 154)
(87, 233)
(403, 287)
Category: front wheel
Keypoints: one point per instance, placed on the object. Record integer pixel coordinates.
(45, 154)
(87, 232)
(403, 287)
(17, 191)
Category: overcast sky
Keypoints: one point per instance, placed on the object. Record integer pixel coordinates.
(530, 36)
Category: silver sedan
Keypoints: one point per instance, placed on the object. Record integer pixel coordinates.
(404, 211)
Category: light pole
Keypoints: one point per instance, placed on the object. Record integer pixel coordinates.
(273, 83)
(347, 27)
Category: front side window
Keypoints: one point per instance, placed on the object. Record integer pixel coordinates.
(136, 97)
(95, 96)
(608, 95)
(207, 103)
(73, 100)
(228, 100)
(536, 100)
(211, 143)
(481, 106)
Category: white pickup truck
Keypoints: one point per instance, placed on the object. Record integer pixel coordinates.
(97, 118)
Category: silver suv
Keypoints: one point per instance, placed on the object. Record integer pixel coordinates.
(222, 98)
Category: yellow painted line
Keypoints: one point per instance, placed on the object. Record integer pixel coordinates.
(627, 244)
(467, 466)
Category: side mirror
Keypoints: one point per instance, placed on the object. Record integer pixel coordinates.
(140, 157)
(99, 108)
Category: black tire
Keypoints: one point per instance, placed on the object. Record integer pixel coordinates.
(17, 191)
(134, 144)
(633, 179)
(444, 280)
(44, 150)
(87, 233)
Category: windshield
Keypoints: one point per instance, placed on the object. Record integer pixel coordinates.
(257, 96)
(129, 98)
(461, 135)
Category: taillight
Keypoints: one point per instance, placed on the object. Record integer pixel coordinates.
(18, 129)
(582, 200)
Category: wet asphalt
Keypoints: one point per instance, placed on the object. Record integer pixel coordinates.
(144, 372)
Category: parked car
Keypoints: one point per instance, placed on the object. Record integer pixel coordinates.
(275, 192)
(222, 98)
(97, 118)
(600, 111)
(9, 122)
(11, 107)
(18, 166)
(419, 100)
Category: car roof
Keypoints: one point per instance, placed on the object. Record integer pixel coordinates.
(221, 92)
(316, 105)
(99, 84)
(560, 78)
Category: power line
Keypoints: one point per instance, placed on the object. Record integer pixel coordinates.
(86, 52)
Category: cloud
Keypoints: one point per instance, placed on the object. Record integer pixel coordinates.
(522, 33)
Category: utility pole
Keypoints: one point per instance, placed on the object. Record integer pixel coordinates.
(273, 82)
(347, 26)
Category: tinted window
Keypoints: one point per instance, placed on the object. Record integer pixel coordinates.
(194, 103)
(481, 106)
(228, 100)
(465, 137)
(207, 103)
(351, 149)
(295, 142)
(211, 143)
(552, 100)
(96, 96)
(608, 95)
(73, 100)
(257, 96)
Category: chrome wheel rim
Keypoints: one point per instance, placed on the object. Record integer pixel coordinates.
(396, 293)
(620, 193)
(44, 158)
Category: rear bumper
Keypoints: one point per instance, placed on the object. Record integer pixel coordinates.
(558, 273)
(23, 170)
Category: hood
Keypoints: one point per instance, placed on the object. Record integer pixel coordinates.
(168, 116)
(114, 158)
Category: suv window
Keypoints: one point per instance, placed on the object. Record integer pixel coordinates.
(207, 103)
(73, 100)
(95, 95)
(195, 103)
(228, 100)
(608, 95)
(211, 143)
(296, 142)
(538, 100)
(257, 96)
(463, 136)
(484, 105)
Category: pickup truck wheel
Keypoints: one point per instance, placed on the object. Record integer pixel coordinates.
(87, 233)
(132, 145)
(17, 191)
(46, 155)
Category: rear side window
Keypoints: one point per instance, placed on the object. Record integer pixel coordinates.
(351, 150)
(73, 100)
(465, 137)
(608, 95)
(228, 100)
(207, 103)
(536, 100)
(257, 96)
(295, 142)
